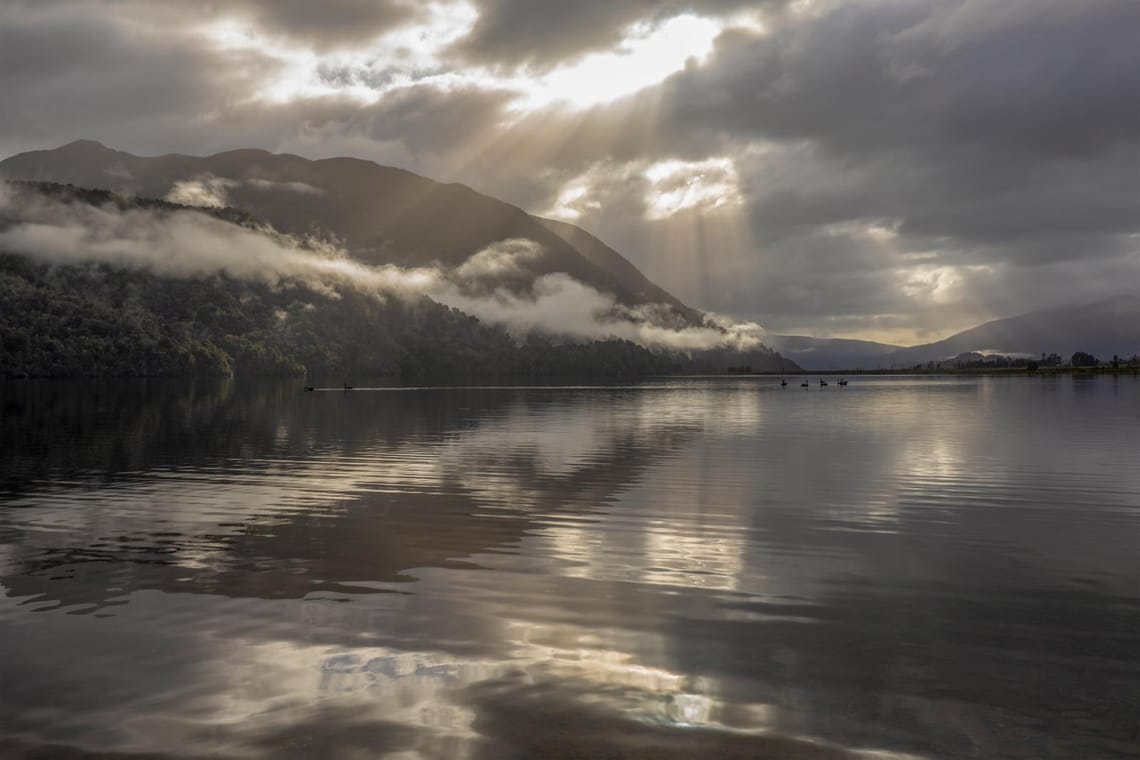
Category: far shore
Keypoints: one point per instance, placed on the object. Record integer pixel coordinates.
(1006, 371)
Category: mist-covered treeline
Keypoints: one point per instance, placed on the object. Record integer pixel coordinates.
(98, 320)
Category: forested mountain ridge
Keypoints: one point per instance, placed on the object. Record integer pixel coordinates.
(61, 318)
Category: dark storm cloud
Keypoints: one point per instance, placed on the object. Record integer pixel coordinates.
(325, 24)
(70, 69)
(518, 32)
(431, 120)
(879, 144)
(954, 121)
(1044, 78)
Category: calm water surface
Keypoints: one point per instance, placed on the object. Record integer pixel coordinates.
(906, 567)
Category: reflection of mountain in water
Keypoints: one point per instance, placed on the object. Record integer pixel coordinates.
(260, 491)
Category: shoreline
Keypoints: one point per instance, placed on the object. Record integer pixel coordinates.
(1006, 371)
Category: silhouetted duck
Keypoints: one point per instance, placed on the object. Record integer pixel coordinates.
(843, 382)
(783, 383)
(822, 383)
(347, 387)
(804, 384)
(309, 389)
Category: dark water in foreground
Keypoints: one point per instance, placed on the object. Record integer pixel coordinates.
(703, 568)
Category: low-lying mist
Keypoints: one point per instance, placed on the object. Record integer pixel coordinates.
(496, 284)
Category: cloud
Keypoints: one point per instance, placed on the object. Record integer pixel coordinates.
(702, 186)
(559, 305)
(538, 34)
(186, 243)
(207, 191)
(506, 260)
(330, 23)
(998, 142)
(210, 191)
(294, 187)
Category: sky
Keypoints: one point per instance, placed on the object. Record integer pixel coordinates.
(893, 170)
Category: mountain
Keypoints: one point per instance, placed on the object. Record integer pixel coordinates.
(1104, 328)
(380, 214)
(830, 353)
(609, 260)
(143, 311)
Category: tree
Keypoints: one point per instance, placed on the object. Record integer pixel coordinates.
(1081, 359)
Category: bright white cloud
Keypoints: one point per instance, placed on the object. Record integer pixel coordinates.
(294, 187)
(582, 195)
(936, 284)
(648, 54)
(417, 54)
(676, 186)
(207, 191)
(571, 201)
(666, 187)
(413, 54)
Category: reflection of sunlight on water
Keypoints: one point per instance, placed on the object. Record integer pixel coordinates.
(420, 688)
(701, 561)
(932, 459)
(670, 554)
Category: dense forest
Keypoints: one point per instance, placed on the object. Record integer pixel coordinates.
(96, 319)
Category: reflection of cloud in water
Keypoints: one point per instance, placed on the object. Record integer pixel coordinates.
(593, 669)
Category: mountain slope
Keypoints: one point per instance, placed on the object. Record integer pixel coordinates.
(380, 214)
(1103, 328)
(609, 260)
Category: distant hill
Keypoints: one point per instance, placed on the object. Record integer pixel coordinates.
(1104, 328)
(830, 353)
(379, 213)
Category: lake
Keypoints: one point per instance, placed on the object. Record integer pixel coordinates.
(907, 567)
